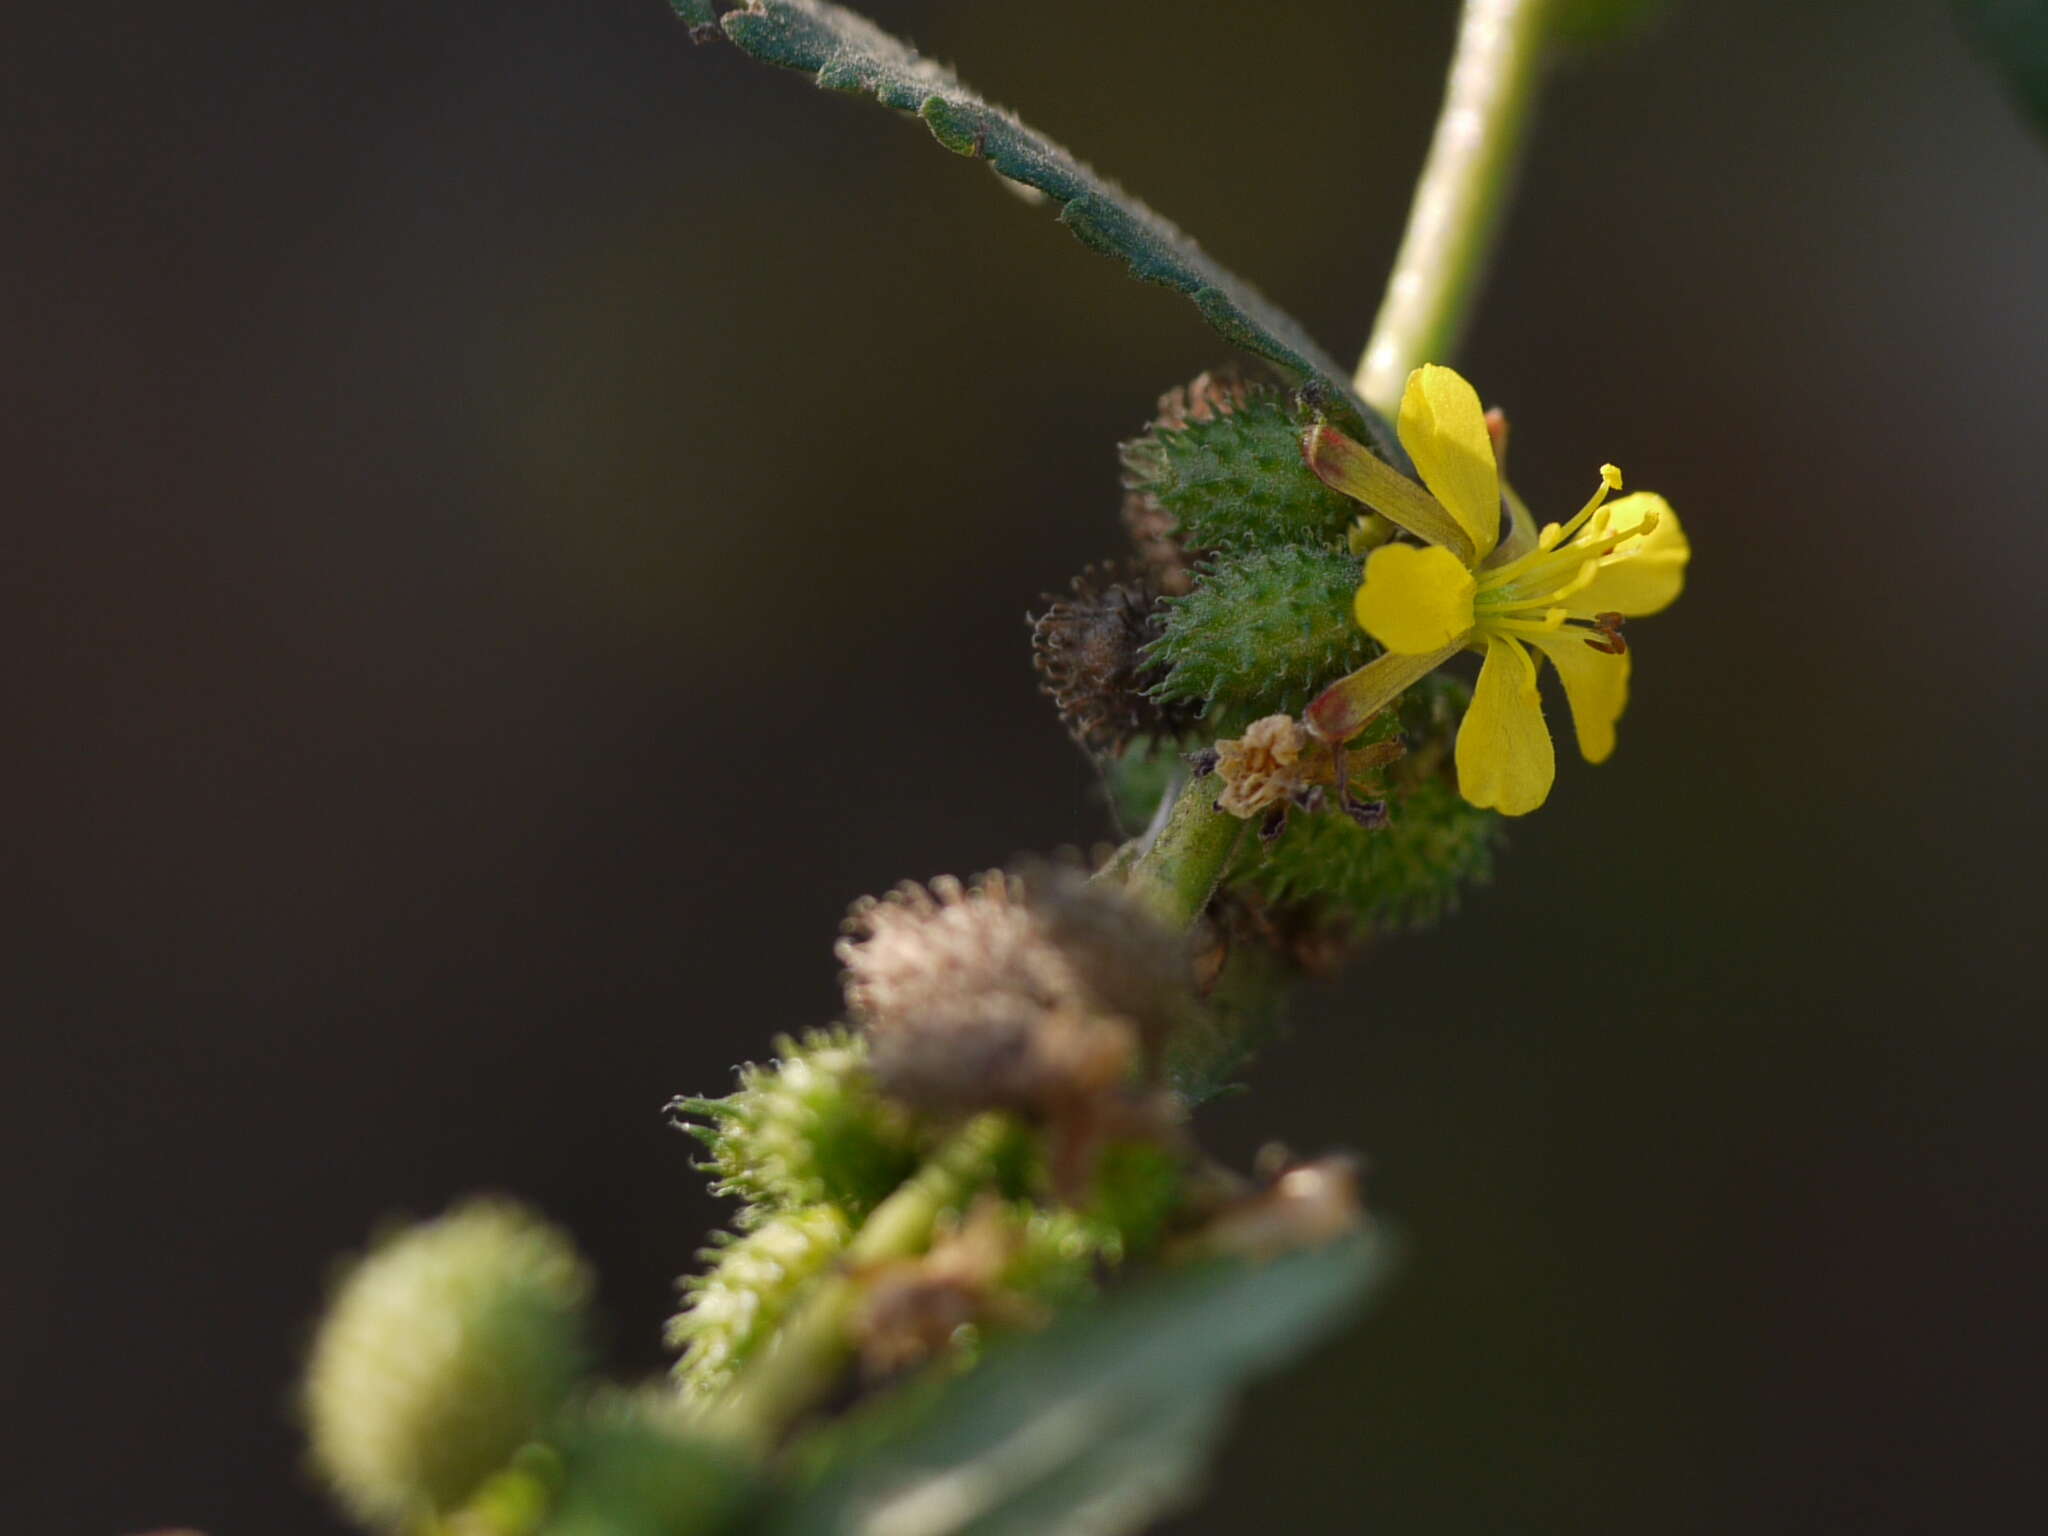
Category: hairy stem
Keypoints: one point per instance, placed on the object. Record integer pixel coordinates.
(1460, 197)
(801, 1364)
(1177, 874)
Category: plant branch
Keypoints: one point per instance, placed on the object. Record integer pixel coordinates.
(1178, 872)
(1460, 197)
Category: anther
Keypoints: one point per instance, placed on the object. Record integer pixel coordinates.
(1610, 641)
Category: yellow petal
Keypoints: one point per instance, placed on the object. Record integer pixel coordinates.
(1504, 755)
(1415, 599)
(1347, 706)
(1595, 685)
(1644, 574)
(1444, 431)
(1349, 467)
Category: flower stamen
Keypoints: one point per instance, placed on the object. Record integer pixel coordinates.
(1610, 641)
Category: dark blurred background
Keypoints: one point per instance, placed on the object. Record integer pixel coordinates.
(514, 521)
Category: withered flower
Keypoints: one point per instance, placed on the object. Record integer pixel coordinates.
(1277, 765)
(1263, 767)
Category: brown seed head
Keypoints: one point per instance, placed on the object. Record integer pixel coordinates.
(1038, 992)
(1088, 651)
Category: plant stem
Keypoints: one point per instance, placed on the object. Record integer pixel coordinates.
(1179, 872)
(802, 1362)
(1460, 196)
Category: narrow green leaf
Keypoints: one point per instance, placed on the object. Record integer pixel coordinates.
(1101, 1423)
(2012, 35)
(846, 52)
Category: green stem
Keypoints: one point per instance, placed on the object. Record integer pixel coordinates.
(1460, 197)
(800, 1365)
(1179, 872)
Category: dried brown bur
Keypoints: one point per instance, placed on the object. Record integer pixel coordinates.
(911, 1309)
(1088, 650)
(1305, 1205)
(1037, 993)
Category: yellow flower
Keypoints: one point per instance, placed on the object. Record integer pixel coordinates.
(1559, 593)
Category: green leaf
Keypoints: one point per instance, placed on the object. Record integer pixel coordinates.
(1098, 1425)
(1236, 480)
(846, 52)
(2012, 35)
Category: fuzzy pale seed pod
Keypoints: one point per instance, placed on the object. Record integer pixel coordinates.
(1029, 992)
(1088, 651)
(444, 1351)
(737, 1303)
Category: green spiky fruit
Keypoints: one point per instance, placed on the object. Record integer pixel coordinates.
(753, 1280)
(1406, 874)
(1261, 633)
(443, 1352)
(1234, 478)
(808, 1129)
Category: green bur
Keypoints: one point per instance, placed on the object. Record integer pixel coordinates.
(1261, 633)
(443, 1351)
(1408, 873)
(807, 1129)
(754, 1280)
(1269, 620)
(1237, 480)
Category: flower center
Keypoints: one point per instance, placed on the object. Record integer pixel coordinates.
(1531, 595)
